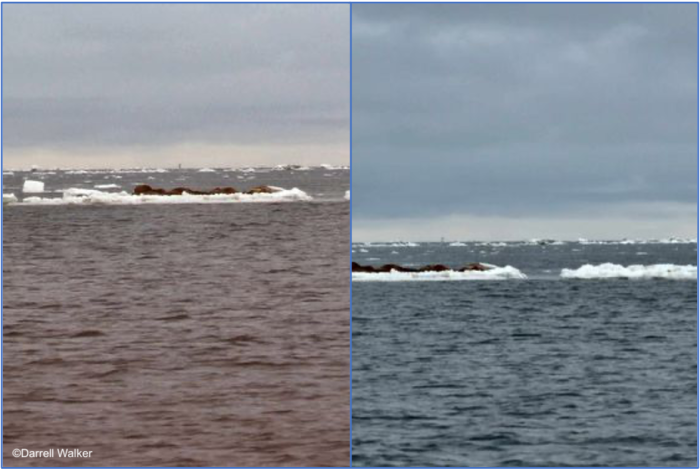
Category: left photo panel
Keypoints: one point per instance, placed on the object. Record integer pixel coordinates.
(176, 232)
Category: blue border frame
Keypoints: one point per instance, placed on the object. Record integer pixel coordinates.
(350, 248)
(350, 4)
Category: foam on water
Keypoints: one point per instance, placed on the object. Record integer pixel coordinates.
(78, 196)
(7, 198)
(637, 271)
(494, 274)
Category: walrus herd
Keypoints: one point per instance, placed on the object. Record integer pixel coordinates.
(387, 268)
(146, 190)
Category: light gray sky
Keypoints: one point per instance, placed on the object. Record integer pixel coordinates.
(512, 121)
(158, 85)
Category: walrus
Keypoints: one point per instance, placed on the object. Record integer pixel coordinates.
(146, 190)
(387, 268)
(474, 267)
(261, 190)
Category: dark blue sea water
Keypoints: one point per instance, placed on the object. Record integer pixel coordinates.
(539, 372)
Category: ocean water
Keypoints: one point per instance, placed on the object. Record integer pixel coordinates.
(543, 371)
(178, 335)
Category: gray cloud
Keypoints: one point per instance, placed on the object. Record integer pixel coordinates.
(113, 76)
(523, 110)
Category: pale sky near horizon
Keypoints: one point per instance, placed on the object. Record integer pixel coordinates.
(120, 85)
(516, 121)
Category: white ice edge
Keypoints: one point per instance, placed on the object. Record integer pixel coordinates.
(77, 196)
(637, 271)
(495, 274)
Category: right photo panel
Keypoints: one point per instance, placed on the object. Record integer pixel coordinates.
(524, 224)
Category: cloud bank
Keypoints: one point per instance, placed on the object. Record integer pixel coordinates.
(524, 115)
(106, 85)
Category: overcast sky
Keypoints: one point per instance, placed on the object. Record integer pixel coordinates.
(505, 121)
(160, 85)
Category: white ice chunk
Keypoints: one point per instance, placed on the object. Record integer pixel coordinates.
(33, 186)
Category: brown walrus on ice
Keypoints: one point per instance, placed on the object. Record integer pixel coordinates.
(387, 268)
(146, 190)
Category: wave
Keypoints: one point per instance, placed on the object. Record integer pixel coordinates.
(495, 274)
(637, 271)
(8, 197)
(78, 196)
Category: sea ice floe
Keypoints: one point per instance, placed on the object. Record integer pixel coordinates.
(637, 271)
(326, 166)
(494, 274)
(79, 196)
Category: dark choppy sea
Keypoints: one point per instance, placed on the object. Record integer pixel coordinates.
(178, 335)
(546, 371)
